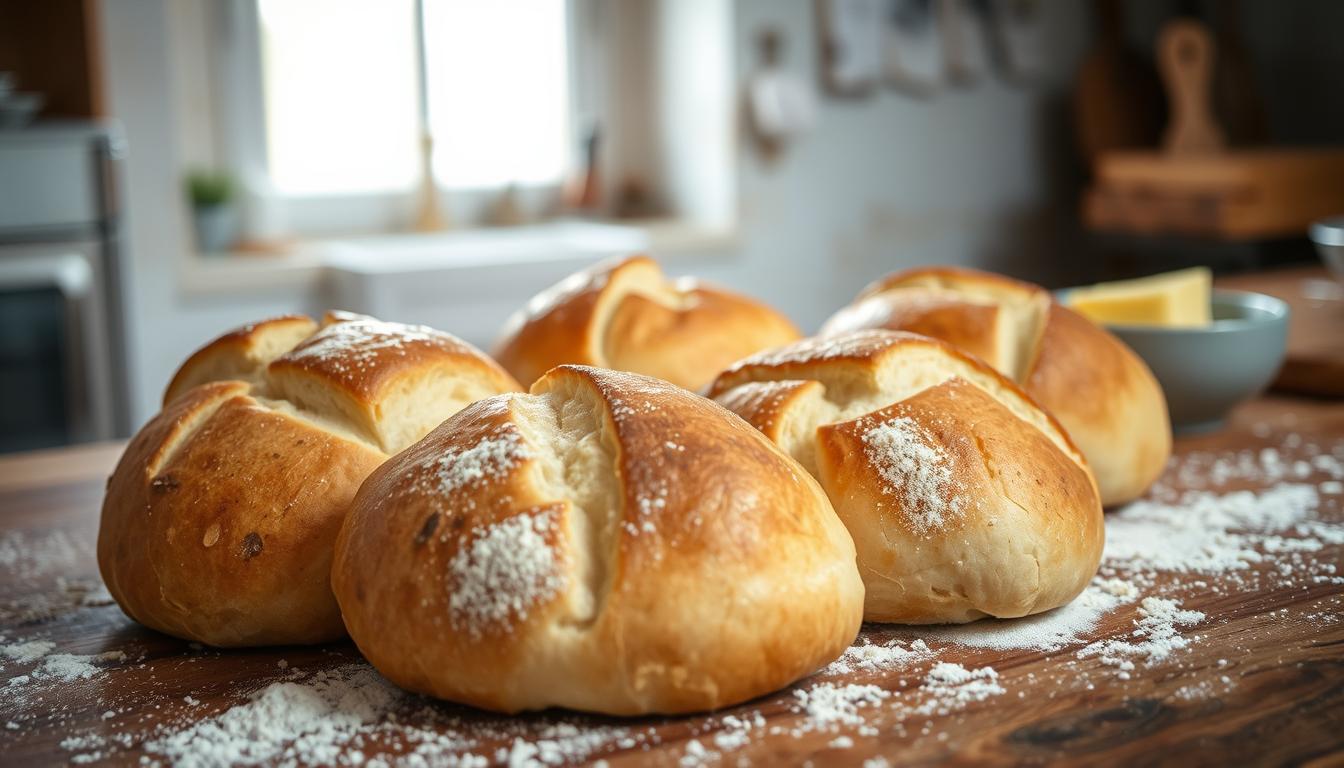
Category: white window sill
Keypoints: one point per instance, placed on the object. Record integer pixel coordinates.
(309, 264)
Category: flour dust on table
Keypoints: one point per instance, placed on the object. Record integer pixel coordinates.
(1214, 538)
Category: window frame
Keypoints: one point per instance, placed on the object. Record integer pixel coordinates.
(241, 142)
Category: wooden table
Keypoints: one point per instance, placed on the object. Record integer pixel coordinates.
(1270, 663)
(1314, 363)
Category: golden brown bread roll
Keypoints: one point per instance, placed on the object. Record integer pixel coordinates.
(219, 521)
(608, 543)
(625, 315)
(964, 498)
(1101, 391)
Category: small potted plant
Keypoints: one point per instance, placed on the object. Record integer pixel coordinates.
(211, 194)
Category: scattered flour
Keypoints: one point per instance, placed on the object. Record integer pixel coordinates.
(314, 721)
(505, 570)
(869, 657)
(67, 667)
(916, 469)
(831, 704)
(952, 687)
(1048, 631)
(362, 343)
(490, 458)
(345, 715)
(26, 556)
(1154, 638)
(53, 667)
(27, 652)
(1206, 532)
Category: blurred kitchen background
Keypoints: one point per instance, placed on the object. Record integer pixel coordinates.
(172, 168)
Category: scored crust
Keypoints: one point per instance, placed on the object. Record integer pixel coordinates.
(609, 543)
(220, 518)
(626, 315)
(964, 498)
(1097, 387)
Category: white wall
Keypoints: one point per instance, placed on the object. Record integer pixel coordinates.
(883, 183)
(163, 324)
(893, 181)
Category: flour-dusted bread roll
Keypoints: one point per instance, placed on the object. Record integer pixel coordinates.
(608, 543)
(219, 521)
(626, 315)
(964, 498)
(1101, 391)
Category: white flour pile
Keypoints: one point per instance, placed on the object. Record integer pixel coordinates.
(506, 569)
(869, 657)
(26, 653)
(831, 704)
(27, 556)
(337, 717)
(1046, 631)
(952, 687)
(51, 667)
(1212, 533)
(314, 721)
(916, 469)
(1154, 638)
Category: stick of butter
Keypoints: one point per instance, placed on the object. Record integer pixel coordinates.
(1173, 299)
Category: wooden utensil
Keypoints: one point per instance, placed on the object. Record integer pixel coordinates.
(1185, 59)
(1195, 186)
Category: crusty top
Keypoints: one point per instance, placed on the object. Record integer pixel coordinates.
(958, 279)
(965, 499)
(863, 364)
(363, 372)
(1098, 388)
(626, 315)
(241, 354)
(220, 519)
(580, 547)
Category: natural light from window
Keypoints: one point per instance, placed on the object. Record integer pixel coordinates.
(498, 77)
(341, 97)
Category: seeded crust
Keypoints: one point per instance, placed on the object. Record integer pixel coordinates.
(688, 563)
(995, 514)
(220, 518)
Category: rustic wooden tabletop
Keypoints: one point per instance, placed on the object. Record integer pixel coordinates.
(1214, 634)
(1255, 675)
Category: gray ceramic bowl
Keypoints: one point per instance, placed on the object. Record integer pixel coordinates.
(1328, 235)
(1206, 371)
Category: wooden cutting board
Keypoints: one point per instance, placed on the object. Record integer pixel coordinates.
(1315, 360)
(1195, 185)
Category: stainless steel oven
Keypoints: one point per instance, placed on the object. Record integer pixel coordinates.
(61, 336)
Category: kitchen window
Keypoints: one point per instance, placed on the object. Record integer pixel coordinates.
(328, 105)
(318, 108)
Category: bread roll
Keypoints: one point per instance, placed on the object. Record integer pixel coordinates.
(1101, 391)
(219, 521)
(608, 543)
(964, 498)
(625, 315)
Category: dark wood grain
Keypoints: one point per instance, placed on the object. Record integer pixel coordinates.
(1282, 701)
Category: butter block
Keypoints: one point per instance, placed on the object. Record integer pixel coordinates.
(1179, 299)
